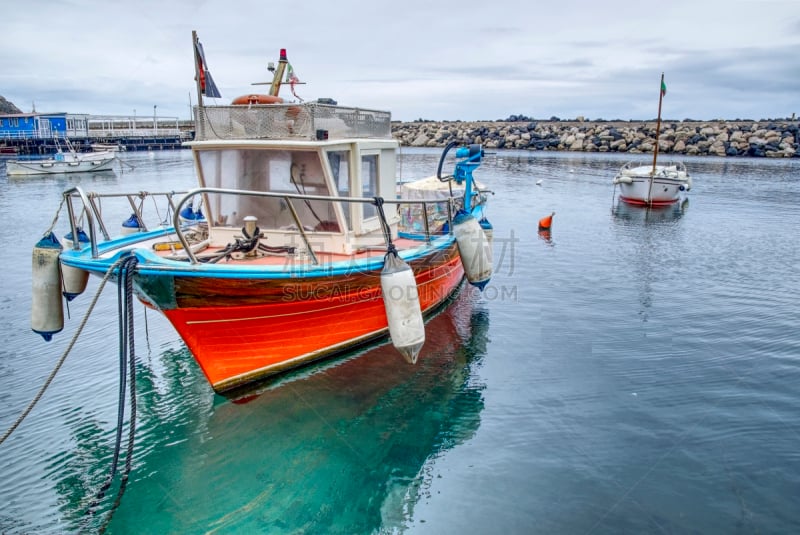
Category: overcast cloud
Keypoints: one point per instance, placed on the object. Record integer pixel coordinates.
(428, 59)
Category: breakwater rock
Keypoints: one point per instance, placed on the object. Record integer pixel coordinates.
(770, 139)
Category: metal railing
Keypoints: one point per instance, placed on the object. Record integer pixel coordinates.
(92, 212)
(287, 198)
(308, 121)
(117, 132)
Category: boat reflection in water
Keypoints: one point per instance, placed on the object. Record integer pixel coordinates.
(651, 238)
(300, 454)
(623, 211)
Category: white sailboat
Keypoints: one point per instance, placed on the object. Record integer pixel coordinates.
(659, 184)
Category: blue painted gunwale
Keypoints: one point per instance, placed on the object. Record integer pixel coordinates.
(152, 264)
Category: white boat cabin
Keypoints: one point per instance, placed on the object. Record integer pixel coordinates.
(296, 165)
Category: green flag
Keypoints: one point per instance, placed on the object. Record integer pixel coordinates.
(663, 88)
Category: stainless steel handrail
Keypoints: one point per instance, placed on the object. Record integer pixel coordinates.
(73, 220)
(287, 197)
(92, 211)
(94, 220)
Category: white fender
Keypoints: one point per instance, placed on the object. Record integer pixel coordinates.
(47, 309)
(403, 311)
(74, 279)
(473, 248)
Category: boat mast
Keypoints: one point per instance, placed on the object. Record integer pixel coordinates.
(658, 129)
(275, 88)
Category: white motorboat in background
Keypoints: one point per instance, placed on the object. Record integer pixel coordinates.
(65, 160)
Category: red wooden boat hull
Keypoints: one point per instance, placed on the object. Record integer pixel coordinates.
(241, 330)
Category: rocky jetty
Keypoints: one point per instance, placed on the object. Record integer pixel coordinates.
(770, 139)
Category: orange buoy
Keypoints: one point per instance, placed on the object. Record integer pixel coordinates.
(256, 99)
(545, 222)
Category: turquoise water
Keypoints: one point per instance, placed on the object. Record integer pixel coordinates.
(633, 372)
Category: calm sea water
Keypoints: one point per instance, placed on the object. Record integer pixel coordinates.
(633, 372)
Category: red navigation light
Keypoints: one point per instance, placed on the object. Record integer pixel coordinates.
(283, 54)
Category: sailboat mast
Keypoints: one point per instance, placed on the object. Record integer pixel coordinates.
(658, 131)
(658, 121)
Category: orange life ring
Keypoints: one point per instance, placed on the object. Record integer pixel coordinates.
(257, 99)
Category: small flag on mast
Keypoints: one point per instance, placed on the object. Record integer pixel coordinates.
(207, 85)
(292, 79)
(663, 87)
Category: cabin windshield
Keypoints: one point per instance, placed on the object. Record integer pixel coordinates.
(278, 171)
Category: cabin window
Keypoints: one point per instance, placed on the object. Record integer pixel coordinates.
(369, 182)
(340, 168)
(277, 171)
(341, 174)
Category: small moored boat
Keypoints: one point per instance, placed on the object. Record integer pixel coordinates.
(656, 184)
(652, 185)
(65, 160)
(108, 147)
(303, 248)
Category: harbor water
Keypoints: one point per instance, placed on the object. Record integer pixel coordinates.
(631, 371)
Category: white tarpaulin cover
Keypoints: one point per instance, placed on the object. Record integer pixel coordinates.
(430, 188)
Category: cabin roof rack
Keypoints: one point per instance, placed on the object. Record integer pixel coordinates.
(311, 121)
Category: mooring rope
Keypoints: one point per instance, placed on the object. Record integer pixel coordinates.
(245, 245)
(123, 376)
(55, 218)
(123, 164)
(127, 356)
(61, 360)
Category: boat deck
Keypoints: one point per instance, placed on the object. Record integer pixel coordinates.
(168, 247)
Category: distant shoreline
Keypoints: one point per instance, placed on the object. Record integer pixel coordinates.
(759, 139)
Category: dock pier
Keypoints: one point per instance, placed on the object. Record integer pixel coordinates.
(129, 133)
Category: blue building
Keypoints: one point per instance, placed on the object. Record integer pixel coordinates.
(31, 126)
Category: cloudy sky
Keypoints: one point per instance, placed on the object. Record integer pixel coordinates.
(430, 59)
